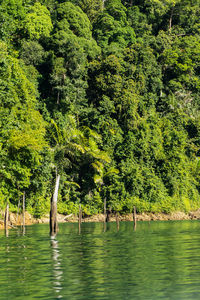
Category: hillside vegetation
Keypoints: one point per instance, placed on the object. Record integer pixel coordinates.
(106, 94)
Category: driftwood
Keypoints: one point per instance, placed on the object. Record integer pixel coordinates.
(68, 216)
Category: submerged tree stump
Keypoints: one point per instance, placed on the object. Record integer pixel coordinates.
(18, 209)
(23, 213)
(134, 217)
(104, 210)
(104, 215)
(6, 219)
(117, 220)
(53, 212)
(79, 219)
(108, 214)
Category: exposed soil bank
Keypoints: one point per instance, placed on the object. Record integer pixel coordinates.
(29, 220)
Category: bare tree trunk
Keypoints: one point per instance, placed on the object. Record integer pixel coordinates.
(18, 208)
(134, 217)
(103, 4)
(6, 216)
(117, 220)
(53, 211)
(108, 214)
(80, 219)
(58, 98)
(23, 213)
(104, 214)
(104, 209)
(170, 19)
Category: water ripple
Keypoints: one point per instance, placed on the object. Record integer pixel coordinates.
(161, 260)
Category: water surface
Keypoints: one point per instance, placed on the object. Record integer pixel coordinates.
(160, 260)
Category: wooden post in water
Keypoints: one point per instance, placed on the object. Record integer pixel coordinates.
(79, 219)
(23, 213)
(18, 208)
(104, 214)
(117, 220)
(134, 217)
(53, 212)
(104, 209)
(108, 214)
(6, 217)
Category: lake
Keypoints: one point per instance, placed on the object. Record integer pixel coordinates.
(160, 260)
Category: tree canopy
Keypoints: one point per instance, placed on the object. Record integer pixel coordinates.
(106, 93)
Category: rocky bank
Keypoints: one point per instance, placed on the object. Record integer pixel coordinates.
(16, 220)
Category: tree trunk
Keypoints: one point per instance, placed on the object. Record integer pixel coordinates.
(58, 98)
(117, 220)
(80, 219)
(108, 214)
(53, 211)
(104, 210)
(103, 4)
(6, 219)
(134, 217)
(104, 214)
(18, 208)
(23, 213)
(170, 19)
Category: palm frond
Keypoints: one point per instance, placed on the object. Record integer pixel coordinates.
(98, 166)
(70, 183)
(98, 179)
(91, 133)
(111, 171)
(78, 147)
(58, 139)
(103, 156)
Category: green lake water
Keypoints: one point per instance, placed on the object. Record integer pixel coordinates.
(160, 260)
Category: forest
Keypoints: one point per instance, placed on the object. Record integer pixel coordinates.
(105, 94)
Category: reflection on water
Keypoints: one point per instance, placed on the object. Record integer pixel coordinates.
(57, 271)
(160, 260)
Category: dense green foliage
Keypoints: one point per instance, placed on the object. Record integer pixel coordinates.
(107, 93)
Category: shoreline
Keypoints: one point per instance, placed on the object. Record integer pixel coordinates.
(15, 220)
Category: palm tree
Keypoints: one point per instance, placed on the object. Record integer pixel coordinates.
(70, 142)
